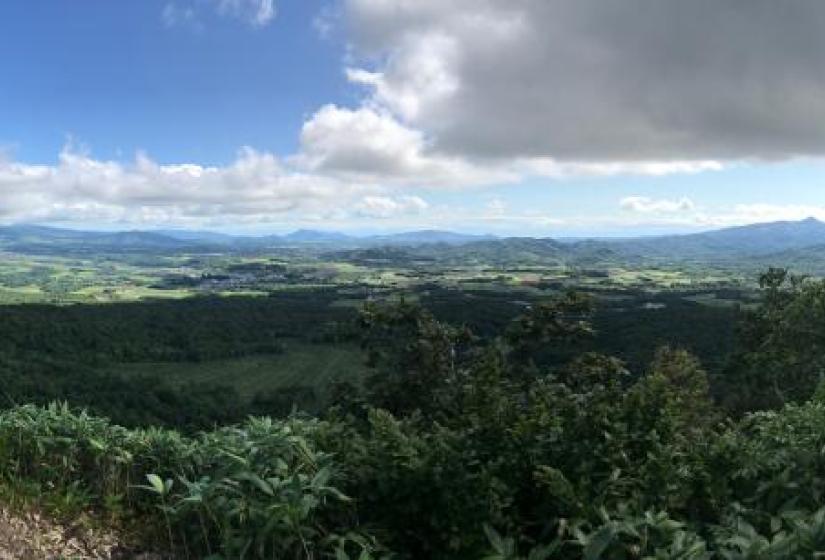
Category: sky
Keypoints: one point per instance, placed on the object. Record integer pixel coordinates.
(512, 117)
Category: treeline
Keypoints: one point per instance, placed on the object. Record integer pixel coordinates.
(192, 329)
(622, 326)
(134, 401)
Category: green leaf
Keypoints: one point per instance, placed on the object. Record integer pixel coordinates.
(260, 483)
(157, 484)
(321, 477)
(598, 542)
(543, 552)
(495, 539)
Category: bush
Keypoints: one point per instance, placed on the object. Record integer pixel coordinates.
(257, 490)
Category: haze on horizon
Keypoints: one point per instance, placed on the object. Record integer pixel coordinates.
(526, 117)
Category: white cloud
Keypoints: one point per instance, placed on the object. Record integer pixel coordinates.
(360, 142)
(427, 78)
(257, 13)
(682, 215)
(742, 214)
(371, 145)
(258, 189)
(496, 207)
(326, 21)
(255, 187)
(549, 167)
(389, 207)
(173, 15)
(351, 165)
(648, 205)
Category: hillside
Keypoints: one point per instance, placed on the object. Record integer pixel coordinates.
(508, 252)
(801, 260)
(729, 243)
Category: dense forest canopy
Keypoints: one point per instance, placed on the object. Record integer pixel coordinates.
(70, 352)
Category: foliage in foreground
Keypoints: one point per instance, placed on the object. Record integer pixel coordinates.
(265, 489)
(258, 490)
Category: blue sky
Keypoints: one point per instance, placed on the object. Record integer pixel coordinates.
(113, 75)
(382, 115)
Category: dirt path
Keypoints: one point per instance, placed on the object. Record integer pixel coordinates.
(32, 537)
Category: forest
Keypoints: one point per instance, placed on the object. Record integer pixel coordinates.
(563, 424)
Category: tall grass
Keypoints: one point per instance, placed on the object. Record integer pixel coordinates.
(257, 490)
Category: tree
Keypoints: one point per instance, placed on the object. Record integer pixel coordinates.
(781, 354)
(413, 356)
(557, 321)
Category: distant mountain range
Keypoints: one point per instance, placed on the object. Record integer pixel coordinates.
(801, 243)
(34, 238)
(753, 240)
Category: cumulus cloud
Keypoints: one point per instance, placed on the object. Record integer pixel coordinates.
(260, 189)
(371, 145)
(648, 205)
(255, 187)
(588, 80)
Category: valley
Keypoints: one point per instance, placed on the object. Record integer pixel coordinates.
(163, 346)
(273, 320)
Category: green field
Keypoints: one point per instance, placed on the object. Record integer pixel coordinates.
(302, 364)
(109, 278)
